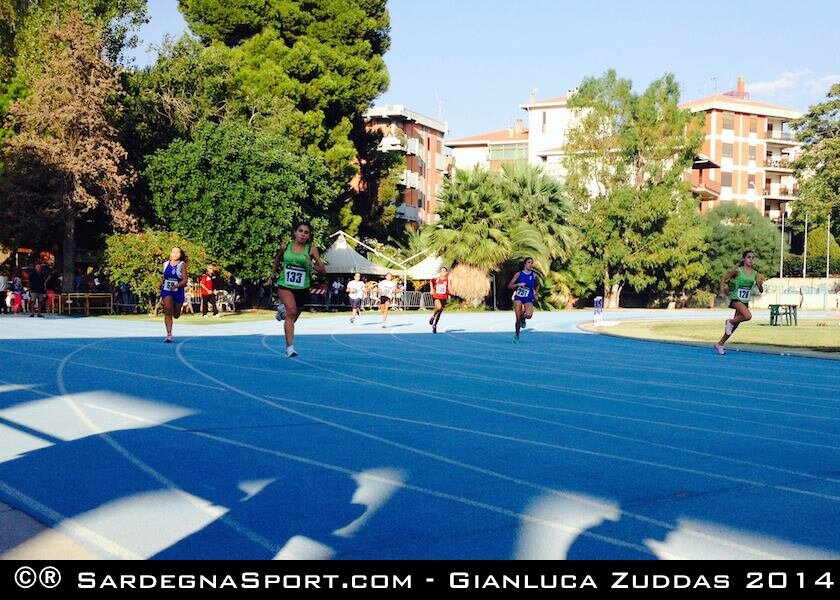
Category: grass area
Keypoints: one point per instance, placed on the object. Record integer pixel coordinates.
(812, 334)
(225, 317)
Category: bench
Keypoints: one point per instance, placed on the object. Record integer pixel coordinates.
(84, 302)
(783, 312)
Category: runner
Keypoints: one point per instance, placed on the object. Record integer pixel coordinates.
(526, 286)
(297, 258)
(172, 288)
(745, 277)
(386, 294)
(440, 293)
(356, 291)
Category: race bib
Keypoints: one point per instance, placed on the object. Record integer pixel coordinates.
(169, 284)
(523, 291)
(294, 276)
(744, 294)
(440, 289)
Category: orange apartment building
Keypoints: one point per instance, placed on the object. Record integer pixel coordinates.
(753, 146)
(421, 139)
(493, 149)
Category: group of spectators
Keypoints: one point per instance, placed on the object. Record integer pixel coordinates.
(28, 290)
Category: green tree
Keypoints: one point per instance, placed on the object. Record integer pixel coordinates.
(237, 192)
(65, 158)
(818, 168)
(137, 260)
(733, 230)
(626, 155)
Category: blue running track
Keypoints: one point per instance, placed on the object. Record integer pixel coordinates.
(399, 444)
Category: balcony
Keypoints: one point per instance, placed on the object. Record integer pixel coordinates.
(701, 185)
(778, 164)
(391, 143)
(781, 191)
(408, 213)
(440, 162)
(409, 179)
(786, 138)
(414, 146)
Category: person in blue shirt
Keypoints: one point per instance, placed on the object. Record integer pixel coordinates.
(525, 286)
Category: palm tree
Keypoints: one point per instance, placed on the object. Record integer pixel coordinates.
(537, 210)
(471, 229)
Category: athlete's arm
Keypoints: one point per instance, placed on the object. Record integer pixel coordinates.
(276, 264)
(185, 277)
(513, 284)
(759, 282)
(317, 263)
(725, 279)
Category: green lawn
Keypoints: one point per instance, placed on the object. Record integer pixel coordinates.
(814, 334)
(226, 317)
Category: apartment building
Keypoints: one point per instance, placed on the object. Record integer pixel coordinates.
(746, 155)
(421, 139)
(752, 143)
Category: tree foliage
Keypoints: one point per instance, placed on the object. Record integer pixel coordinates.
(626, 155)
(237, 192)
(818, 168)
(65, 158)
(734, 230)
(137, 260)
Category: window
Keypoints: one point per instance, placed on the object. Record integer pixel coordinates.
(728, 121)
(726, 179)
(752, 152)
(727, 150)
(543, 120)
(509, 152)
(751, 182)
(439, 146)
(753, 124)
(428, 143)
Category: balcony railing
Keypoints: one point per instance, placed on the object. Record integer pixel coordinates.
(777, 163)
(704, 186)
(782, 191)
(409, 213)
(783, 136)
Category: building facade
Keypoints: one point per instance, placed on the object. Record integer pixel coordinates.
(420, 138)
(752, 143)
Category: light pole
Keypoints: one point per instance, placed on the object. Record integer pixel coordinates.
(805, 253)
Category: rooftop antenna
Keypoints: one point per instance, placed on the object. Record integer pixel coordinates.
(715, 80)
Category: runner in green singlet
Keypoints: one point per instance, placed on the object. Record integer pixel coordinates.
(297, 260)
(745, 277)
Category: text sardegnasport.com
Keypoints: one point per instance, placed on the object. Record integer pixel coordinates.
(247, 580)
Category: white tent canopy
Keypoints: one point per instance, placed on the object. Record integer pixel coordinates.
(428, 268)
(341, 258)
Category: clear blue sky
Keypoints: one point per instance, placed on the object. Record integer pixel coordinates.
(476, 60)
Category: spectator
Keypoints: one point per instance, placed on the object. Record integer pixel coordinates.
(335, 291)
(53, 285)
(208, 291)
(17, 294)
(37, 290)
(4, 288)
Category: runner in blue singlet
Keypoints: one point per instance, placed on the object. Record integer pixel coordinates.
(172, 288)
(525, 286)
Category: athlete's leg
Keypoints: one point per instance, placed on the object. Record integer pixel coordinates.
(292, 312)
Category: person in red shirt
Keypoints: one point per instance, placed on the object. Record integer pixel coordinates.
(440, 292)
(208, 294)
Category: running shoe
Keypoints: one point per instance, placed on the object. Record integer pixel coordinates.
(168, 339)
(383, 325)
(281, 312)
(432, 320)
(522, 322)
(434, 328)
(291, 352)
(352, 319)
(719, 349)
(516, 339)
(728, 327)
